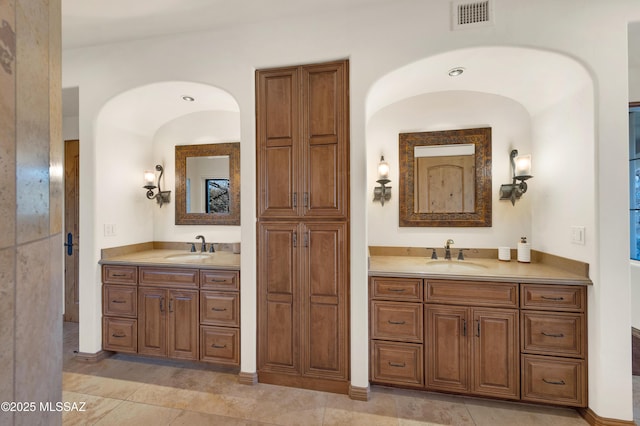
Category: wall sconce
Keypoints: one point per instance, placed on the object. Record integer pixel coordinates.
(161, 196)
(521, 168)
(382, 193)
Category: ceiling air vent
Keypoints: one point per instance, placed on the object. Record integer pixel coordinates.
(472, 14)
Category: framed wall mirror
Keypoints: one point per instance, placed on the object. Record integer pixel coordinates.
(445, 178)
(208, 184)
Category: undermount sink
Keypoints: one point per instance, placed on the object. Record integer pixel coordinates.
(453, 265)
(189, 256)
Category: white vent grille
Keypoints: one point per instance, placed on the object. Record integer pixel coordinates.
(471, 14)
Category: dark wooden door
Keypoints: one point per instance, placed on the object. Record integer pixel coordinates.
(324, 140)
(152, 330)
(183, 324)
(71, 225)
(278, 141)
(447, 348)
(278, 304)
(325, 306)
(495, 354)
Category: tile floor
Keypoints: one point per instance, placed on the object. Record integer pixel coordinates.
(126, 390)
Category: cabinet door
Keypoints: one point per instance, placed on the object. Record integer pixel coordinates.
(278, 298)
(324, 139)
(152, 330)
(495, 363)
(183, 324)
(447, 348)
(278, 134)
(324, 310)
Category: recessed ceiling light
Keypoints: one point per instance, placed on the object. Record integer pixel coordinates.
(188, 98)
(454, 72)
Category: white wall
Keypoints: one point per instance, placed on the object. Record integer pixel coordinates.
(510, 129)
(377, 39)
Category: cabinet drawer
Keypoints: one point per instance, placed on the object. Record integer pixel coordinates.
(219, 280)
(396, 288)
(472, 293)
(220, 345)
(553, 380)
(219, 308)
(117, 274)
(120, 300)
(553, 297)
(169, 277)
(396, 321)
(397, 363)
(120, 335)
(553, 333)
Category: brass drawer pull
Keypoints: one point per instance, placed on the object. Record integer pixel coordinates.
(396, 322)
(219, 280)
(552, 382)
(397, 364)
(552, 298)
(119, 275)
(219, 309)
(551, 334)
(218, 346)
(119, 336)
(399, 290)
(118, 301)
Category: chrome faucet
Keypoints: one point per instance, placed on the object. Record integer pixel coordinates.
(447, 249)
(204, 245)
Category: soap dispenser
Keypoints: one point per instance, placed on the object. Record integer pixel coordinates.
(524, 251)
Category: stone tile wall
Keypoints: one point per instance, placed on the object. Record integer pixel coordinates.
(31, 199)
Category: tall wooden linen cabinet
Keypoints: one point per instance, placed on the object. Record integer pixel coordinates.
(303, 226)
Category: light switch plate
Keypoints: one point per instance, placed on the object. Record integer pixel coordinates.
(577, 235)
(109, 230)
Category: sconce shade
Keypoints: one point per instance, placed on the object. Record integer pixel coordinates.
(523, 166)
(149, 178)
(383, 169)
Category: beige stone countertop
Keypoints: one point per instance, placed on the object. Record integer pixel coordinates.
(177, 258)
(476, 269)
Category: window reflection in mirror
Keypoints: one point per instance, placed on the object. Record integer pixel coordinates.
(208, 184)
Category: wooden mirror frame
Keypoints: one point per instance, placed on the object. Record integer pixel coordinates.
(232, 149)
(481, 217)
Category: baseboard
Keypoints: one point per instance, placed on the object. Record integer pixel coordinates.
(92, 358)
(595, 420)
(358, 393)
(248, 378)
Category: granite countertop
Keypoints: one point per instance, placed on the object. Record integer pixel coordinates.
(178, 258)
(476, 269)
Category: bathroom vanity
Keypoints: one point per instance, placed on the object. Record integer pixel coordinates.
(480, 327)
(172, 303)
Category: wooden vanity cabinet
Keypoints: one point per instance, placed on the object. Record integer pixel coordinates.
(504, 340)
(472, 349)
(554, 344)
(182, 313)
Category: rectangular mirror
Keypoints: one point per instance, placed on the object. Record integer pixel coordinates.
(445, 178)
(208, 184)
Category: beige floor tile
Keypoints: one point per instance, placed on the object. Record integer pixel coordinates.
(192, 418)
(95, 407)
(432, 408)
(204, 402)
(132, 414)
(290, 406)
(379, 410)
(99, 386)
(497, 413)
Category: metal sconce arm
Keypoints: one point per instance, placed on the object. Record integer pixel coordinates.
(161, 196)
